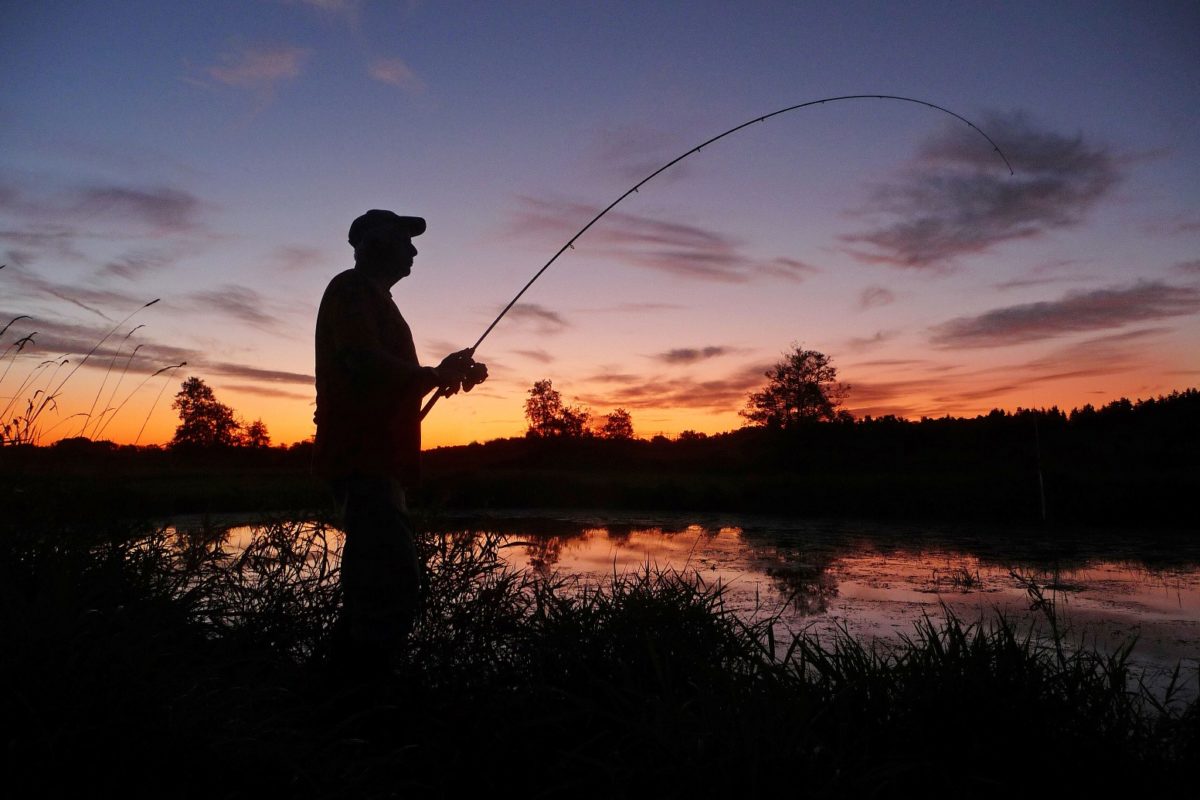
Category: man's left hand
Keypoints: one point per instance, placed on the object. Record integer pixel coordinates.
(477, 373)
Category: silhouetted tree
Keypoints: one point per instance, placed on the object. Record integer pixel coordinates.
(549, 417)
(802, 388)
(203, 421)
(256, 435)
(617, 425)
(543, 408)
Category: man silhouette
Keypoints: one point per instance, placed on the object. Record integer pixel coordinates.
(368, 444)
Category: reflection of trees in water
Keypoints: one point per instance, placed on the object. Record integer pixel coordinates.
(808, 587)
(544, 552)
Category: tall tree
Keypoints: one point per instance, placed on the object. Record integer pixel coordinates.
(203, 420)
(801, 388)
(256, 435)
(549, 417)
(617, 425)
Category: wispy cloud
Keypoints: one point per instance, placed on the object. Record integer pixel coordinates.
(858, 343)
(690, 355)
(162, 208)
(27, 283)
(933, 389)
(687, 251)
(298, 258)
(56, 337)
(721, 394)
(336, 7)
(1188, 267)
(395, 72)
(267, 391)
(258, 67)
(1175, 225)
(135, 265)
(634, 151)
(542, 319)
(238, 302)
(1101, 309)
(540, 356)
(875, 296)
(958, 200)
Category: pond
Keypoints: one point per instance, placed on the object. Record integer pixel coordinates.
(877, 580)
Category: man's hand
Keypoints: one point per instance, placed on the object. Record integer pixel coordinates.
(453, 371)
(476, 374)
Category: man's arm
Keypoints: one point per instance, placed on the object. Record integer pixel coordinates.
(358, 347)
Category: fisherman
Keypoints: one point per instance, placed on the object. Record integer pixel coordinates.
(368, 444)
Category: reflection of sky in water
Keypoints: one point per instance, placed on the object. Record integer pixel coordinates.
(821, 578)
(876, 581)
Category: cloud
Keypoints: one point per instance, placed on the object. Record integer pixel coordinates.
(958, 200)
(541, 356)
(297, 258)
(239, 302)
(56, 337)
(91, 299)
(1174, 225)
(395, 72)
(161, 208)
(690, 355)
(635, 151)
(51, 241)
(1188, 267)
(687, 251)
(875, 296)
(267, 391)
(53, 224)
(543, 320)
(1076, 311)
(333, 6)
(935, 394)
(133, 266)
(259, 67)
(722, 394)
(787, 268)
(867, 342)
(614, 377)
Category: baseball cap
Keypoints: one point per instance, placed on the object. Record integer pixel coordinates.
(376, 218)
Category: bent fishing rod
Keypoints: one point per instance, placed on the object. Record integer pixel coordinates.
(570, 245)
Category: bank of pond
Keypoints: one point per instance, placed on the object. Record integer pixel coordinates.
(165, 659)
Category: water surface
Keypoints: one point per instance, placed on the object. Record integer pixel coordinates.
(877, 580)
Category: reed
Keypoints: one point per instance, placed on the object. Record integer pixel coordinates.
(158, 659)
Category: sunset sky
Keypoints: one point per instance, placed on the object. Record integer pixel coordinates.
(214, 154)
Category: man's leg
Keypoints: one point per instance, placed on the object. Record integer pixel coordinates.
(380, 573)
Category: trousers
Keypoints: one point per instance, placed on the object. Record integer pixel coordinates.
(381, 572)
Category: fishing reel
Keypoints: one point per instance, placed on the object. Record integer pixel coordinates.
(476, 374)
(472, 373)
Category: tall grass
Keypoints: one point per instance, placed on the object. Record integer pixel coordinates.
(150, 659)
(21, 419)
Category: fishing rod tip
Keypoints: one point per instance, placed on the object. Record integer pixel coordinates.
(152, 302)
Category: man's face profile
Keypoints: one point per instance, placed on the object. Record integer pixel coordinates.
(391, 253)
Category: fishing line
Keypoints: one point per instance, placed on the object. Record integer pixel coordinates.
(633, 189)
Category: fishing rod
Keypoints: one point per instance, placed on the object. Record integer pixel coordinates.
(570, 245)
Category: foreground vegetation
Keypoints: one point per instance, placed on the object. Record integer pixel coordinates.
(143, 661)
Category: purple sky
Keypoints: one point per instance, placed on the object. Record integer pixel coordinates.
(214, 154)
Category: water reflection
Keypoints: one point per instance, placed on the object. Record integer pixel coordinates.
(875, 580)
